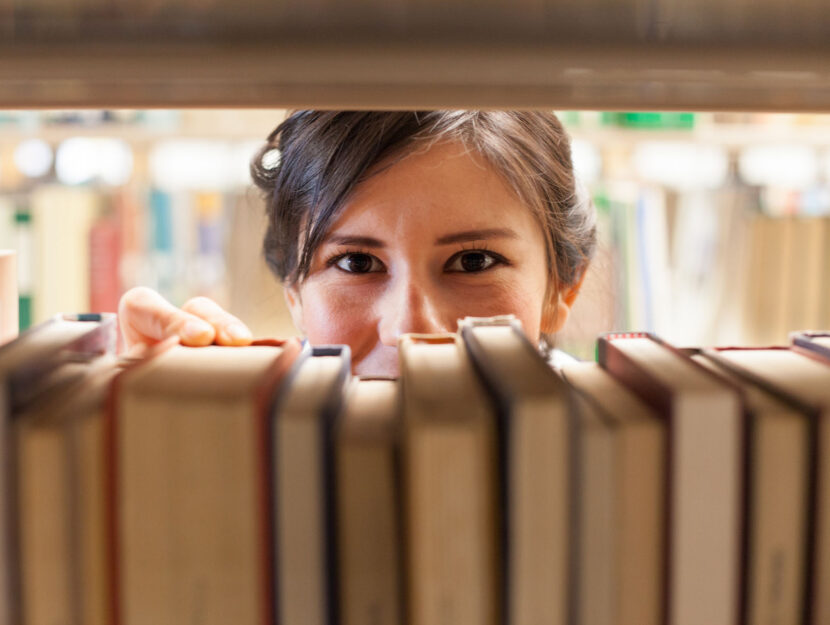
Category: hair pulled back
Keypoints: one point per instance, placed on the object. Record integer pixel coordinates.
(314, 159)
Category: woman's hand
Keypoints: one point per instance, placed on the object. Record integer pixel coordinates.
(146, 318)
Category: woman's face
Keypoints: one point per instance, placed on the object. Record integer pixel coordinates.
(435, 237)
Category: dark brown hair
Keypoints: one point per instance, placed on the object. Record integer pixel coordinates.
(314, 159)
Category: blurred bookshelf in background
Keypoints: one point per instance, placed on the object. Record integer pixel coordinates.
(97, 202)
(713, 228)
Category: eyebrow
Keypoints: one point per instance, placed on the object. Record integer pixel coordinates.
(354, 240)
(476, 235)
(456, 237)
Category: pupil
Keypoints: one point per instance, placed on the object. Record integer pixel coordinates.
(359, 263)
(474, 261)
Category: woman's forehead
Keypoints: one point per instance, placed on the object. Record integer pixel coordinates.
(445, 186)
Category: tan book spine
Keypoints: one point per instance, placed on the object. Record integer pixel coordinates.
(449, 487)
(117, 516)
(44, 526)
(368, 527)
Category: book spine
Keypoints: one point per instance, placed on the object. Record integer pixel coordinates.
(648, 389)
(104, 260)
(265, 397)
(25, 261)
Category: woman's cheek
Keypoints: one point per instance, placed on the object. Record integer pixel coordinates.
(503, 297)
(337, 314)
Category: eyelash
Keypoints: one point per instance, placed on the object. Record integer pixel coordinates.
(483, 249)
(331, 262)
(498, 258)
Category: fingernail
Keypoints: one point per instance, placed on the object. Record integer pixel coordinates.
(194, 330)
(238, 332)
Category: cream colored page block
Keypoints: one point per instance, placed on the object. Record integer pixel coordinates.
(705, 536)
(539, 515)
(451, 529)
(776, 574)
(368, 536)
(189, 513)
(597, 501)
(44, 531)
(367, 520)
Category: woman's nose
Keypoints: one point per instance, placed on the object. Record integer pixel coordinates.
(409, 308)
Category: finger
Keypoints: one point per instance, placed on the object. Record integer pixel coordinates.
(146, 317)
(229, 329)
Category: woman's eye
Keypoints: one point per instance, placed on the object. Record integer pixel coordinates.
(358, 263)
(472, 261)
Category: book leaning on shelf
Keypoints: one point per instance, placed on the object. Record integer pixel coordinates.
(266, 484)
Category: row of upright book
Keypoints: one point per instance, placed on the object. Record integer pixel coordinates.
(80, 248)
(266, 484)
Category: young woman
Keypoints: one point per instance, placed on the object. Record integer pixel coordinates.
(382, 223)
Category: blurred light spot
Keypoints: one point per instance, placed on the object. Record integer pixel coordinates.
(82, 160)
(192, 164)
(681, 166)
(243, 153)
(586, 159)
(789, 166)
(33, 158)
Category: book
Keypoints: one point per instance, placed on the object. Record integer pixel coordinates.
(814, 344)
(304, 556)
(449, 485)
(802, 378)
(536, 460)
(104, 263)
(61, 543)
(188, 487)
(807, 278)
(41, 360)
(777, 497)
(366, 456)
(621, 501)
(9, 305)
(705, 473)
(88, 487)
(61, 218)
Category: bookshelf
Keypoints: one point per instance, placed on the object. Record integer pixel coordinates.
(701, 56)
(627, 55)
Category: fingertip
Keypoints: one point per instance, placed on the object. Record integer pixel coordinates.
(196, 333)
(236, 334)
